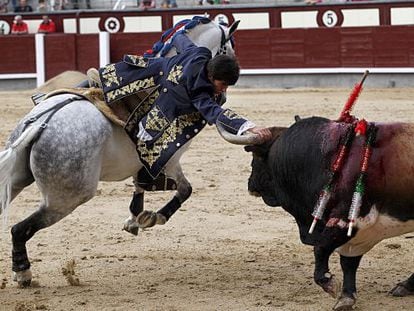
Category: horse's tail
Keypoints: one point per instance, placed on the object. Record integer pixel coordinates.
(8, 159)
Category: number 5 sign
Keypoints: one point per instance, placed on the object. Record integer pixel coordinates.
(330, 18)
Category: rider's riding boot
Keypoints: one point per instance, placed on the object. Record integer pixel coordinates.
(161, 182)
(93, 78)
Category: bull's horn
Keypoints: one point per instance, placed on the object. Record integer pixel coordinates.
(246, 139)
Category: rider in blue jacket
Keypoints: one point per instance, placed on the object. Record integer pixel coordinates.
(184, 93)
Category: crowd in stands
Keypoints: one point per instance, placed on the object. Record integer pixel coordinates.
(21, 6)
(48, 26)
(20, 27)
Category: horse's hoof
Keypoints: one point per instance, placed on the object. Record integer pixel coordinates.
(23, 278)
(401, 290)
(131, 226)
(147, 219)
(132, 230)
(345, 303)
(161, 219)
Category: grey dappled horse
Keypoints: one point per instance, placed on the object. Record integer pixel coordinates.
(78, 148)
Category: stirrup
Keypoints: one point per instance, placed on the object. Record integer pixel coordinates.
(93, 78)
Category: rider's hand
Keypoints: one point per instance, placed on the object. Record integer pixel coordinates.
(264, 133)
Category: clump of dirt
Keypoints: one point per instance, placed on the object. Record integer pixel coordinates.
(21, 306)
(69, 272)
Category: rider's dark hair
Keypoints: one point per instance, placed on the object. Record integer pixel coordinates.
(224, 68)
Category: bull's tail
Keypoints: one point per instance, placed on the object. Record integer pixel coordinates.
(8, 160)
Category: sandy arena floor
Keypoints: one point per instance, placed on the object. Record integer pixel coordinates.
(223, 250)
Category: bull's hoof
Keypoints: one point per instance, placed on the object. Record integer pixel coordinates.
(332, 285)
(401, 290)
(147, 219)
(131, 226)
(23, 278)
(345, 303)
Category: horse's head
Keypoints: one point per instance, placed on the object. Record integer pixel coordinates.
(214, 36)
(203, 32)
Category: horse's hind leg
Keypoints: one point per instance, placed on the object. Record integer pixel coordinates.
(49, 212)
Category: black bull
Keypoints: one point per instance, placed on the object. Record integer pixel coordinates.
(292, 169)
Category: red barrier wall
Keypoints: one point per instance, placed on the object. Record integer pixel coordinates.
(275, 47)
(131, 43)
(18, 56)
(386, 46)
(87, 52)
(70, 52)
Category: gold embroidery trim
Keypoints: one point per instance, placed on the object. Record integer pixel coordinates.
(176, 128)
(156, 120)
(109, 75)
(137, 60)
(141, 111)
(175, 74)
(129, 89)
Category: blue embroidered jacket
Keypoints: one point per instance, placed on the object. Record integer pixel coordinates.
(180, 103)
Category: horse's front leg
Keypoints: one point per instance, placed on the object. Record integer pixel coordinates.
(136, 207)
(148, 219)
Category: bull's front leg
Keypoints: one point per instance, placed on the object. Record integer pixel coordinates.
(404, 288)
(148, 219)
(322, 276)
(348, 296)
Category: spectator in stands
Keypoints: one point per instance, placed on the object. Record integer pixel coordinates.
(147, 4)
(76, 4)
(42, 6)
(19, 26)
(58, 5)
(3, 6)
(14, 4)
(202, 2)
(23, 7)
(169, 4)
(47, 25)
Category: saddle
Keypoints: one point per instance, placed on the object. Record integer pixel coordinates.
(125, 113)
(118, 113)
